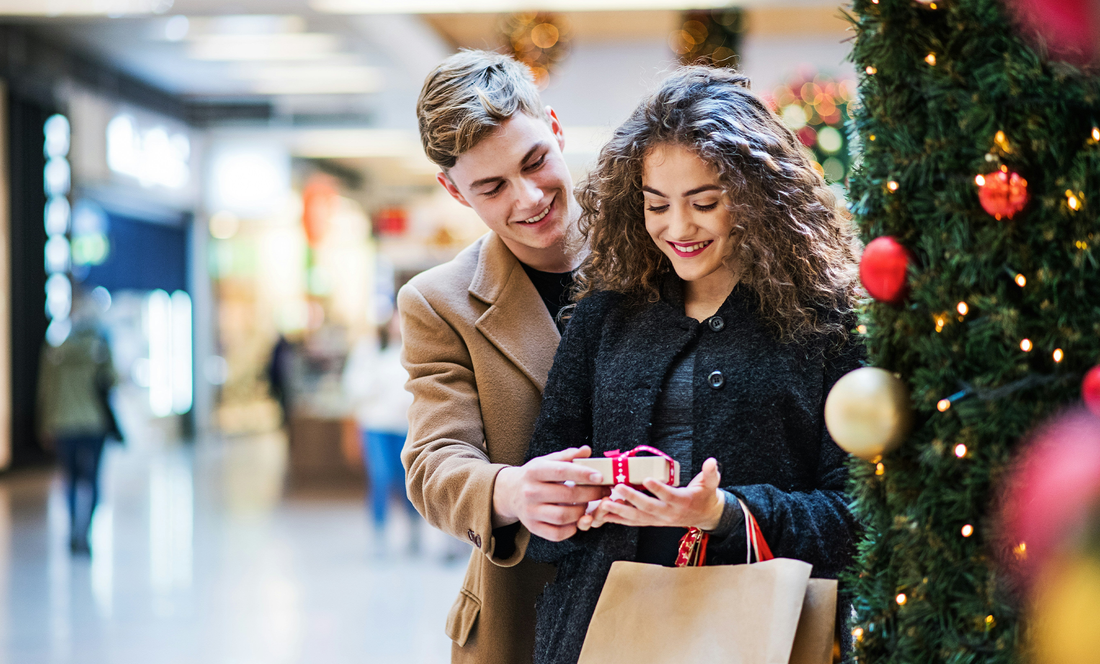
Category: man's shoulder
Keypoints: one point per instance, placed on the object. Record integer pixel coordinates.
(451, 279)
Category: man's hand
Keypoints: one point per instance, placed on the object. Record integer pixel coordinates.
(699, 504)
(541, 494)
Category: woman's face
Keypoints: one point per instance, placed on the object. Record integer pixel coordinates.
(686, 213)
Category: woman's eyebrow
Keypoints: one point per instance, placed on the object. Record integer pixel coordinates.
(691, 192)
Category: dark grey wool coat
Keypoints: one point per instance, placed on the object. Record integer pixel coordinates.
(758, 409)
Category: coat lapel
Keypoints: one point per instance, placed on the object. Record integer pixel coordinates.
(517, 321)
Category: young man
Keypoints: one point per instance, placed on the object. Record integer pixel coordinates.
(480, 336)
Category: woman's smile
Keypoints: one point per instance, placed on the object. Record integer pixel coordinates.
(689, 250)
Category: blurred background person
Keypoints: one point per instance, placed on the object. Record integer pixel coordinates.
(375, 382)
(75, 418)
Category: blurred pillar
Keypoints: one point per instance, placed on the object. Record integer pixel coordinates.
(5, 287)
(26, 118)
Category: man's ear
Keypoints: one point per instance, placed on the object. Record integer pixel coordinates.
(555, 126)
(451, 188)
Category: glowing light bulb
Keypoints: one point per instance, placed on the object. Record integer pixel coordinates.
(871, 71)
(1020, 550)
(1058, 355)
(1096, 133)
(940, 322)
(901, 599)
(960, 450)
(1072, 200)
(857, 633)
(1025, 345)
(1004, 169)
(862, 329)
(990, 621)
(930, 59)
(980, 180)
(963, 309)
(880, 469)
(932, 5)
(967, 530)
(943, 405)
(892, 185)
(872, 137)
(1021, 280)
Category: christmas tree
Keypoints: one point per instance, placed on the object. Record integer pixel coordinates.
(980, 177)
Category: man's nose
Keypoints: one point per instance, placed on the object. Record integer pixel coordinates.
(530, 195)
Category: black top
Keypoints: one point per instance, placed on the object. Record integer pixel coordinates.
(554, 289)
(757, 407)
(671, 435)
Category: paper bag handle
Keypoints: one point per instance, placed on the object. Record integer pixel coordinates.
(754, 537)
(693, 545)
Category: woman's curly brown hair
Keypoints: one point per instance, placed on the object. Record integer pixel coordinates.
(793, 248)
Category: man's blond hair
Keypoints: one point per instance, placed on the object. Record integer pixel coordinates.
(467, 97)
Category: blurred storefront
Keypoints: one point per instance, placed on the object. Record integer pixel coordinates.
(101, 193)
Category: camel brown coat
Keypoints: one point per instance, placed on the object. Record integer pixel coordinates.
(478, 345)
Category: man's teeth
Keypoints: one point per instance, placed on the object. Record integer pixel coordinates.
(690, 248)
(537, 217)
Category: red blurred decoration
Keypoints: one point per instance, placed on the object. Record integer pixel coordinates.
(1003, 194)
(884, 270)
(319, 201)
(808, 136)
(1090, 390)
(391, 221)
(1051, 492)
(1068, 30)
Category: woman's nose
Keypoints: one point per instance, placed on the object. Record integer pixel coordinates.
(680, 224)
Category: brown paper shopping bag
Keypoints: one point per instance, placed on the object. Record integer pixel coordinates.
(768, 612)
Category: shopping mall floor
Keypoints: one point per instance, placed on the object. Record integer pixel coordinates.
(199, 555)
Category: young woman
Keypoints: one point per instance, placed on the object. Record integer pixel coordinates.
(713, 318)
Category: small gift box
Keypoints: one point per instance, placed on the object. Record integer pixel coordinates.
(627, 468)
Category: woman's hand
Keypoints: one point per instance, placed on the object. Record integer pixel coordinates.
(699, 504)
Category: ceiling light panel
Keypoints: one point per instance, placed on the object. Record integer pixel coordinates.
(293, 46)
(326, 78)
(496, 6)
(82, 7)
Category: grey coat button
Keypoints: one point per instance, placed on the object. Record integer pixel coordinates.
(716, 380)
(717, 324)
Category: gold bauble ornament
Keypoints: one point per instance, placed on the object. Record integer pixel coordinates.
(1065, 611)
(868, 413)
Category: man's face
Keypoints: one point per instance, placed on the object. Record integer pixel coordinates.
(517, 182)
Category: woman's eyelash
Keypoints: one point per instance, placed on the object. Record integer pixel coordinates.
(658, 208)
(706, 207)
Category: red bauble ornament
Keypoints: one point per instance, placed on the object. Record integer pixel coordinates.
(1090, 390)
(1002, 194)
(884, 270)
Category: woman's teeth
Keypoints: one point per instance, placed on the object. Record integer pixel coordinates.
(692, 248)
(537, 217)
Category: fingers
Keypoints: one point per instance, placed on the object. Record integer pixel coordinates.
(568, 454)
(557, 515)
(551, 532)
(536, 493)
(558, 467)
(638, 499)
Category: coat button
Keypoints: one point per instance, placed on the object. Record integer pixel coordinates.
(716, 323)
(472, 536)
(716, 380)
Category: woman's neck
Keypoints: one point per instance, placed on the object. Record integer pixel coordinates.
(703, 297)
